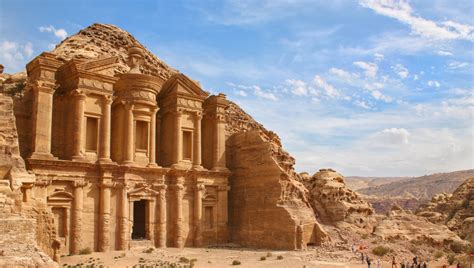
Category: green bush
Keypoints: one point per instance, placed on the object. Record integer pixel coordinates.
(380, 250)
(235, 262)
(458, 247)
(438, 254)
(184, 260)
(269, 254)
(148, 250)
(279, 257)
(451, 259)
(85, 251)
(263, 258)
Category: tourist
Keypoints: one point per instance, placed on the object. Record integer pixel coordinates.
(362, 257)
(378, 263)
(394, 262)
(458, 265)
(352, 248)
(415, 260)
(369, 261)
(425, 265)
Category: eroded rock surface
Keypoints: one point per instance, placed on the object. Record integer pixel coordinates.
(456, 210)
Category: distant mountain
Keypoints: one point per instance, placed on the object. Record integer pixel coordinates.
(357, 182)
(422, 188)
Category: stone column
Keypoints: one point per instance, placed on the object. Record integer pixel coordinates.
(150, 225)
(218, 159)
(197, 141)
(160, 226)
(222, 213)
(76, 233)
(198, 195)
(104, 214)
(129, 137)
(80, 99)
(152, 139)
(104, 149)
(179, 191)
(42, 120)
(124, 235)
(178, 139)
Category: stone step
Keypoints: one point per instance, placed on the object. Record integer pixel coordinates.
(143, 243)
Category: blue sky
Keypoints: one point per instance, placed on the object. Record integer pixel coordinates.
(368, 87)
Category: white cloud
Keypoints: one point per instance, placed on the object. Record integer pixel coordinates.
(402, 11)
(379, 57)
(415, 77)
(379, 96)
(347, 76)
(374, 86)
(258, 91)
(59, 33)
(433, 83)
(457, 65)
(328, 89)
(401, 70)
(370, 68)
(444, 53)
(392, 136)
(298, 87)
(14, 55)
(362, 104)
(241, 93)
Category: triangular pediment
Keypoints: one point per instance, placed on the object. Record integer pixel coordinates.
(180, 84)
(143, 191)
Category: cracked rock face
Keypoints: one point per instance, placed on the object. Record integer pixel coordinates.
(334, 203)
(105, 40)
(456, 210)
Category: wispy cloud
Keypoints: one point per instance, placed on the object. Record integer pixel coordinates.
(403, 12)
(59, 33)
(14, 55)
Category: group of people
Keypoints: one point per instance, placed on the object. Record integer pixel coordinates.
(364, 257)
(416, 263)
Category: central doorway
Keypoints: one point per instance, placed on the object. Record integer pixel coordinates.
(139, 220)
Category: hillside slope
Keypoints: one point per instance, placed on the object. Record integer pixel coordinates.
(423, 187)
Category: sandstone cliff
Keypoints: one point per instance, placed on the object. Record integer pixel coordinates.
(456, 210)
(335, 204)
(25, 229)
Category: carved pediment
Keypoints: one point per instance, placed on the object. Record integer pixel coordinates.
(142, 192)
(60, 196)
(180, 84)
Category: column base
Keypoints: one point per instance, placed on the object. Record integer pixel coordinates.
(177, 166)
(104, 161)
(79, 158)
(224, 169)
(153, 165)
(43, 156)
(198, 167)
(128, 163)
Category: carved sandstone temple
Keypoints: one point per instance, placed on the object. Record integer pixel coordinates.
(119, 158)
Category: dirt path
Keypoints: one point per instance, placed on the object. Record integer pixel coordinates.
(209, 258)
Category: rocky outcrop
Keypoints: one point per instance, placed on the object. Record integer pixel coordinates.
(105, 40)
(422, 188)
(403, 225)
(335, 204)
(456, 210)
(21, 229)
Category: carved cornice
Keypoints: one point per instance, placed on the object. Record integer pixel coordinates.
(80, 183)
(43, 182)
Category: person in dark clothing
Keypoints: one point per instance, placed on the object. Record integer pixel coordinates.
(369, 261)
(362, 257)
(415, 260)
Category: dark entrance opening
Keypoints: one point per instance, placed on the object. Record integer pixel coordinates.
(139, 220)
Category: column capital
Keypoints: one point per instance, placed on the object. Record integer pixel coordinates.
(200, 187)
(80, 183)
(79, 93)
(43, 182)
(128, 105)
(107, 99)
(198, 115)
(107, 184)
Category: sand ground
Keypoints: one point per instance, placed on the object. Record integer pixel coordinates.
(207, 257)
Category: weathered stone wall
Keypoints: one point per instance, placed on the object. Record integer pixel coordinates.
(267, 207)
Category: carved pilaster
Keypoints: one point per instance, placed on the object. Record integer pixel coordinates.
(76, 234)
(177, 139)
(104, 213)
(129, 137)
(199, 191)
(160, 226)
(104, 149)
(197, 141)
(152, 153)
(80, 99)
(124, 234)
(179, 191)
